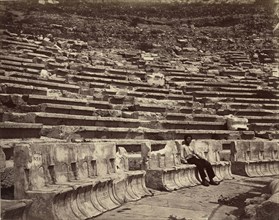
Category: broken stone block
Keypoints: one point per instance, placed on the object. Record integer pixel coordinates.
(236, 123)
(156, 79)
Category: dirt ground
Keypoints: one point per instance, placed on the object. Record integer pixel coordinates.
(226, 201)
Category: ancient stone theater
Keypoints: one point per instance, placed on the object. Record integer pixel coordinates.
(125, 109)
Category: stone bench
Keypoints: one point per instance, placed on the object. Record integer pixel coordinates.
(225, 84)
(13, 88)
(10, 67)
(232, 72)
(158, 96)
(116, 82)
(75, 120)
(247, 112)
(74, 181)
(243, 106)
(164, 170)
(263, 119)
(195, 117)
(36, 77)
(242, 100)
(224, 94)
(144, 133)
(20, 130)
(102, 75)
(158, 90)
(211, 149)
(267, 134)
(19, 43)
(15, 59)
(193, 125)
(40, 99)
(255, 158)
(33, 82)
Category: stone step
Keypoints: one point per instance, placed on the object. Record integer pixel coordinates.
(173, 80)
(35, 77)
(263, 126)
(225, 94)
(19, 130)
(256, 100)
(142, 133)
(248, 90)
(182, 116)
(232, 73)
(37, 99)
(188, 75)
(262, 119)
(11, 68)
(15, 59)
(78, 120)
(94, 69)
(267, 134)
(150, 95)
(239, 105)
(33, 65)
(191, 125)
(66, 109)
(37, 54)
(248, 112)
(116, 82)
(50, 85)
(11, 63)
(247, 80)
(19, 43)
(158, 108)
(158, 90)
(73, 120)
(32, 71)
(12, 88)
(223, 84)
(102, 75)
(54, 65)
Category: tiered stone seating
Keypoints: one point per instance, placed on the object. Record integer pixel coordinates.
(82, 101)
(255, 158)
(74, 181)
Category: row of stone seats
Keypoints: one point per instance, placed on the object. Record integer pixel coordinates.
(164, 170)
(40, 83)
(255, 158)
(80, 120)
(268, 116)
(74, 181)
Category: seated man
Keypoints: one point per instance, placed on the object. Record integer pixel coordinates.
(193, 157)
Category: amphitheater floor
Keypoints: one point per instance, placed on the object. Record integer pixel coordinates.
(196, 203)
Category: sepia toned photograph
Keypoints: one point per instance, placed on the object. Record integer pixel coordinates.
(139, 109)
